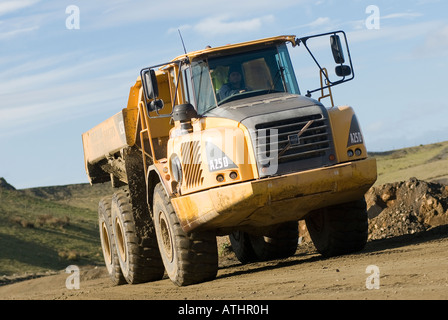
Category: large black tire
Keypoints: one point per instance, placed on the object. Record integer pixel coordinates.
(189, 258)
(278, 243)
(108, 245)
(242, 247)
(136, 242)
(339, 230)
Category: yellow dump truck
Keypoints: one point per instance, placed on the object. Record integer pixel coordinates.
(221, 141)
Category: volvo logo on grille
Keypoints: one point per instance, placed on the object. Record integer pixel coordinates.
(294, 139)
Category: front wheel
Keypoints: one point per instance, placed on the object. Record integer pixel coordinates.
(188, 257)
(339, 230)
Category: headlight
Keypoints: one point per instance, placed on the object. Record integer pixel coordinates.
(176, 168)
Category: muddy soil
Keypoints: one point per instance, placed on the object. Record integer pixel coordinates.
(410, 267)
(406, 258)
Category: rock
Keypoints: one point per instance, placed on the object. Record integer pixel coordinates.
(5, 185)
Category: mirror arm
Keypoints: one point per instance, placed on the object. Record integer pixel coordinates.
(330, 84)
(303, 40)
(144, 91)
(180, 63)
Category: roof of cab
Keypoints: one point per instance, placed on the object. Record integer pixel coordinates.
(210, 51)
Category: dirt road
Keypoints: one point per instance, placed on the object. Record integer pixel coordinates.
(409, 267)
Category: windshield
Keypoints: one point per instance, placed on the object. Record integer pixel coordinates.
(229, 78)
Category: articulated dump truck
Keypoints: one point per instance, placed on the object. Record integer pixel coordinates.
(219, 142)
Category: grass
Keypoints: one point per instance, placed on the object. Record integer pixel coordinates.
(75, 195)
(37, 235)
(426, 162)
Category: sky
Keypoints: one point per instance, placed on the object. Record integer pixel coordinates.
(66, 66)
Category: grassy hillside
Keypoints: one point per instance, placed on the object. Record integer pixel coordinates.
(426, 162)
(75, 195)
(48, 228)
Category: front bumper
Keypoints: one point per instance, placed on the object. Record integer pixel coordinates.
(265, 202)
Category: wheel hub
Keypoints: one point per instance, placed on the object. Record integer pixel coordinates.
(120, 239)
(106, 243)
(166, 238)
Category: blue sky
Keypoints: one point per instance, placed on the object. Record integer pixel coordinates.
(58, 82)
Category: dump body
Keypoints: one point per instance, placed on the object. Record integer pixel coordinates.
(105, 139)
(103, 142)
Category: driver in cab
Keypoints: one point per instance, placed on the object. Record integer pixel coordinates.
(234, 85)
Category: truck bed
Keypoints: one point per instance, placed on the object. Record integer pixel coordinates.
(101, 143)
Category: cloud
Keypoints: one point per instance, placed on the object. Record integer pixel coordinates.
(393, 33)
(361, 24)
(13, 33)
(401, 15)
(319, 22)
(69, 101)
(428, 39)
(436, 41)
(222, 25)
(22, 24)
(11, 6)
(123, 12)
(181, 28)
(57, 91)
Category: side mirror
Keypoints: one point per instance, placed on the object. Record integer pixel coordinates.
(155, 105)
(336, 48)
(343, 71)
(151, 89)
(339, 48)
(150, 86)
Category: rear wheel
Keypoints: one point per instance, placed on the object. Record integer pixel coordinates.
(339, 230)
(188, 257)
(135, 240)
(278, 243)
(242, 247)
(108, 242)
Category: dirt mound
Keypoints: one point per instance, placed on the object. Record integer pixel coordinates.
(406, 207)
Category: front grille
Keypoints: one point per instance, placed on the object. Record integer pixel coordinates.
(306, 139)
(192, 164)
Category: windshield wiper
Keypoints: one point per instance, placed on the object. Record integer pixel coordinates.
(247, 94)
(279, 75)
